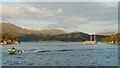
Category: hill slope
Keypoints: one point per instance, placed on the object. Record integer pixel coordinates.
(114, 39)
(106, 33)
(61, 37)
(45, 35)
(70, 37)
(18, 31)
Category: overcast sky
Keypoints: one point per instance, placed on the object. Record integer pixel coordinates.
(89, 17)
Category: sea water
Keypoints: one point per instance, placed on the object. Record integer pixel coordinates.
(0, 56)
(61, 54)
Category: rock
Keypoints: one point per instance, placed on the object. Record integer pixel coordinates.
(17, 42)
(8, 39)
(10, 42)
(89, 42)
(2, 43)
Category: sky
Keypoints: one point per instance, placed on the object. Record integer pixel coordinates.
(88, 17)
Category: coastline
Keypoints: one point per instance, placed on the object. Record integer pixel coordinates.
(51, 41)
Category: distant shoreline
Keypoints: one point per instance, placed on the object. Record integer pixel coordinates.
(51, 41)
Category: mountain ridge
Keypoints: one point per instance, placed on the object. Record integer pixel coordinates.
(45, 35)
(106, 33)
(18, 31)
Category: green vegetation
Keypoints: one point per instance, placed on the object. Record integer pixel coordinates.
(70, 37)
(44, 35)
(6, 36)
(62, 37)
(113, 39)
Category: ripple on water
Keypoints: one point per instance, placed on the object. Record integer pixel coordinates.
(30, 64)
(57, 62)
(41, 58)
(67, 55)
(11, 64)
(71, 55)
(19, 57)
(47, 64)
(66, 50)
(67, 59)
(107, 57)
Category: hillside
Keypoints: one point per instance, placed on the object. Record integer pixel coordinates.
(18, 31)
(114, 39)
(70, 37)
(62, 37)
(45, 35)
(106, 33)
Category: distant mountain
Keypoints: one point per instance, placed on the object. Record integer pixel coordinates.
(106, 33)
(18, 31)
(45, 35)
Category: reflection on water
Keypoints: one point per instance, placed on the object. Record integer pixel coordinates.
(62, 54)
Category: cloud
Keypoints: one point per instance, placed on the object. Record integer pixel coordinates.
(103, 22)
(63, 25)
(82, 24)
(34, 10)
(92, 10)
(27, 12)
(69, 16)
(67, 23)
(80, 19)
(61, 0)
(59, 11)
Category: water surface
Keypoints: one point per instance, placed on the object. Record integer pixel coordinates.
(61, 54)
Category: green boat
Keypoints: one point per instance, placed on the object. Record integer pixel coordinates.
(14, 51)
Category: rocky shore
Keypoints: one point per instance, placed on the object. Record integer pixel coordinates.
(9, 42)
(89, 42)
(8, 39)
(113, 39)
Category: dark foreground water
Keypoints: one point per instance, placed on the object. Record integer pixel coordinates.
(61, 54)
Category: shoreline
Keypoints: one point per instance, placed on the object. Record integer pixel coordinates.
(51, 41)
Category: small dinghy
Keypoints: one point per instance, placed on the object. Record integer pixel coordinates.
(14, 51)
